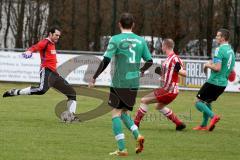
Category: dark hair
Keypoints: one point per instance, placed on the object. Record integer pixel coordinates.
(169, 43)
(53, 29)
(126, 20)
(225, 33)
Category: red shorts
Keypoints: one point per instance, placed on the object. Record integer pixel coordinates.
(164, 96)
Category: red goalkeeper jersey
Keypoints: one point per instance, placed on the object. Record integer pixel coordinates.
(47, 51)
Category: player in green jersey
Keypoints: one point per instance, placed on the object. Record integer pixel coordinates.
(127, 49)
(222, 64)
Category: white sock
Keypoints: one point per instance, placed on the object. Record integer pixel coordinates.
(15, 93)
(144, 107)
(71, 106)
(133, 128)
(25, 91)
(120, 136)
(166, 111)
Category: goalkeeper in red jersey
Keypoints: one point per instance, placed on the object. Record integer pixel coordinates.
(169, 71)
(48, 73)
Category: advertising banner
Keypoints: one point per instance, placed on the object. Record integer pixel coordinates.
(78, 69)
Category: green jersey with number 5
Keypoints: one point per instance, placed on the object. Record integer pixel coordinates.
(127, 49)
(224, 55)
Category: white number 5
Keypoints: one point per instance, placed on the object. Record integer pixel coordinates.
(132, 59)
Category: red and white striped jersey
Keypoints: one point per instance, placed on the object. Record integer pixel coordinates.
(169, 76)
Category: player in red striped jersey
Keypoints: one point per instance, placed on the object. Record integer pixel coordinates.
(169, 71)
(48, 73)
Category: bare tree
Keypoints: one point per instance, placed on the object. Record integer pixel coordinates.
(8, 13)
(53, 18)
(81, 21)
(201, 31)
(37, 22)
(98, 26)
(73, 24)
(141, 21)
(177, 25)
(87, 29)
(114, 16)
(155, 22)
(162, 19)
(226, 12)
(125, 6)
(209, 27)
(20, 21)
(1, 6)
(29, 25)
(236, 36)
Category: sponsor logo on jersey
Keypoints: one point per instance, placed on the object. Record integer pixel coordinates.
(53, 52)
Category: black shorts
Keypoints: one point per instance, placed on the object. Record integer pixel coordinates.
(122, 98)
(209, 92)
(48, 79)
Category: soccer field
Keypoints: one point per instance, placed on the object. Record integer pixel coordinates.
(30, 130)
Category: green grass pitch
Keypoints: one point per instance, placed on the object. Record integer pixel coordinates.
(29, 130)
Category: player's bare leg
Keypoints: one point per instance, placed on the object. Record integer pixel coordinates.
(142, 110)
(170, 115)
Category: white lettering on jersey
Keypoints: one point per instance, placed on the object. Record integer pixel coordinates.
(53, 52)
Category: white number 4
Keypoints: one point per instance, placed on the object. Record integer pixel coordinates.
(230, 59)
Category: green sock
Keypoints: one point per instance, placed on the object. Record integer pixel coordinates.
(117, 130)
(205, 120)
(130, 124)
(202, 107)
(205, 117)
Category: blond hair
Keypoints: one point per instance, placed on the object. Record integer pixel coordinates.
(169, 43)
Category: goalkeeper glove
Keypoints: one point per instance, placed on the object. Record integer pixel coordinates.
(27, 55)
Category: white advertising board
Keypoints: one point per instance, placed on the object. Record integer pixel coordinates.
(77, 69)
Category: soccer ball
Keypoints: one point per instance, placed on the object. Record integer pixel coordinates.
(67, 116)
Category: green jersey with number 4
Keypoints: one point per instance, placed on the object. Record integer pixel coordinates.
(127, 49)
(224, 55)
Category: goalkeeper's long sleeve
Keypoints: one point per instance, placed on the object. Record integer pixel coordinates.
(104, 63)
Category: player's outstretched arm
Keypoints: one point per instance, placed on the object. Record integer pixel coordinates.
(91, 84)
(104, 63)
(34, 48)
(145, 67)
(27, 54)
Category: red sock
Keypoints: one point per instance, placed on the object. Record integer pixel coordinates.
(170, 115)
(139, 116)
(174, 119)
